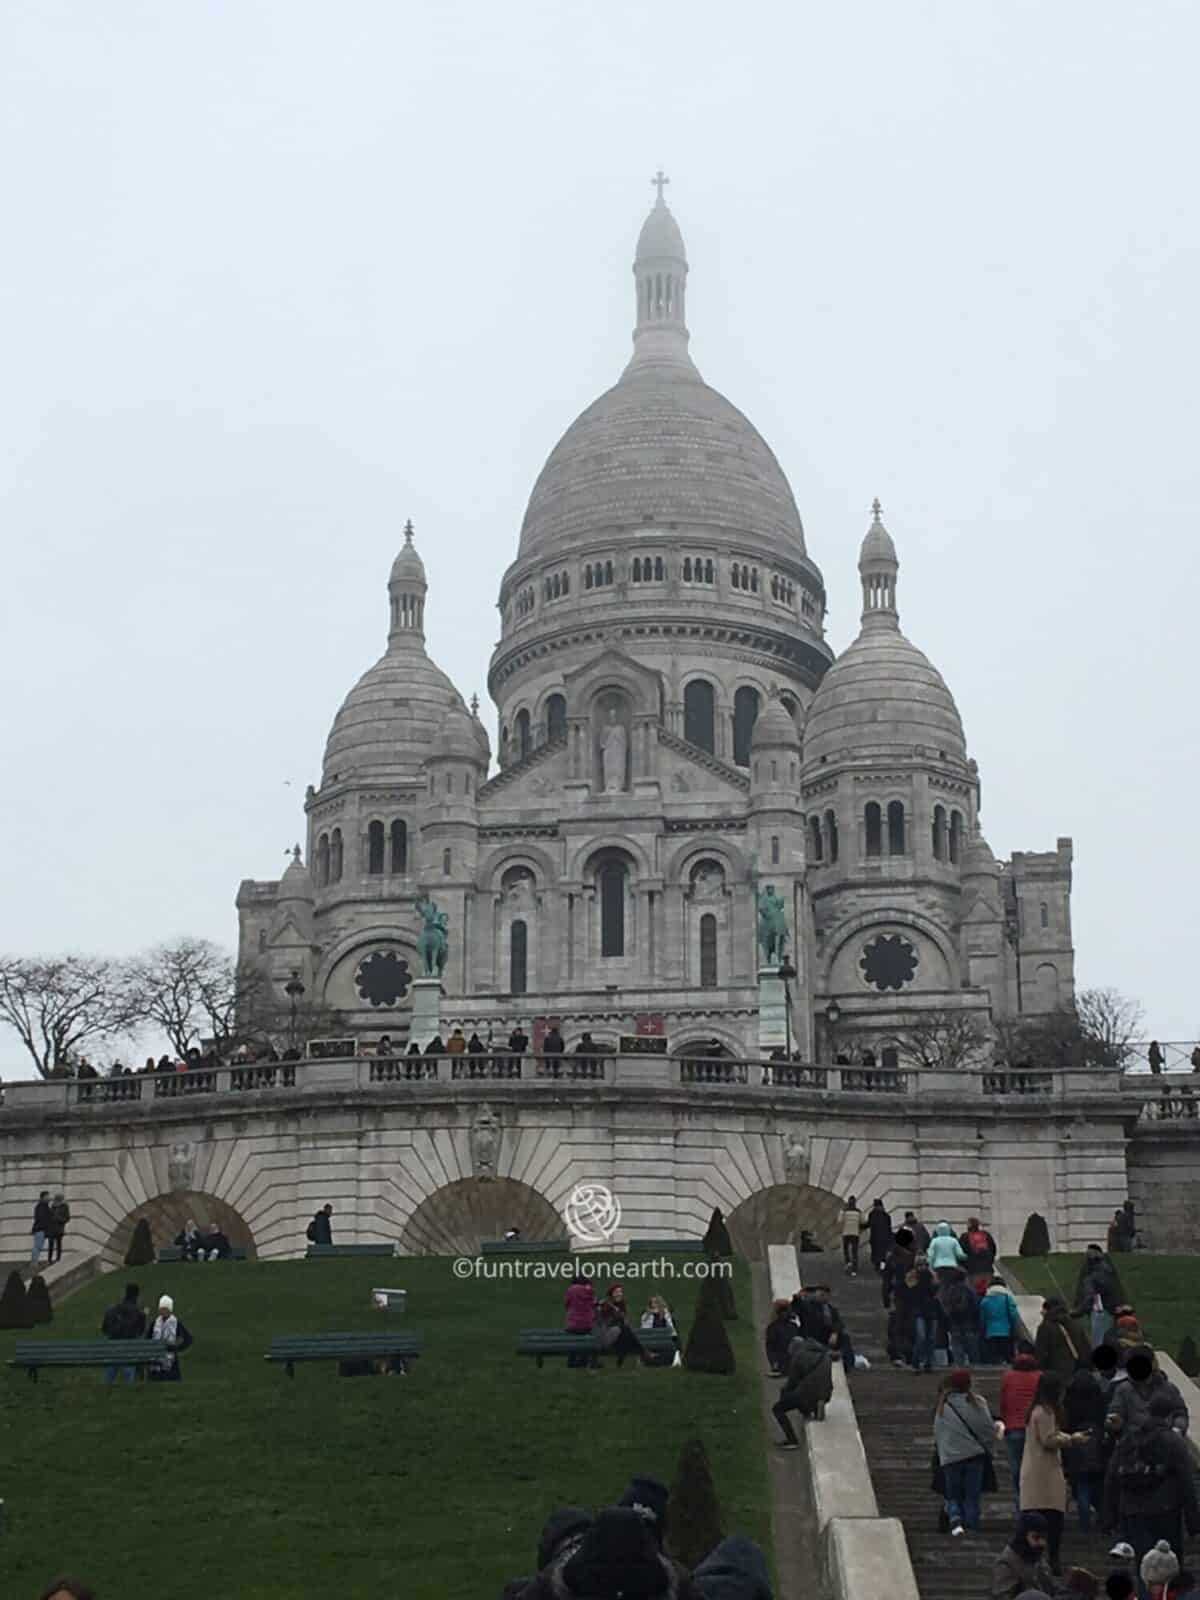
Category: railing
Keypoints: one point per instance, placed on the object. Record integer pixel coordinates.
(874, 1080)
(1018, 1083)
(263, 1076)
(712, 1069)
(1176, 1053)
(1173, 1105)
(791, 1075)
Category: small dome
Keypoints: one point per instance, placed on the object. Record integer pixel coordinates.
(882, 697)
(408, 566)
(774, 728)
(877, 545)
(391, 719)
(660, 236)
(458, 739)
(978, 860)
(295, 883)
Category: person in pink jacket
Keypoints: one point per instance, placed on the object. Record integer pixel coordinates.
(580, 1301)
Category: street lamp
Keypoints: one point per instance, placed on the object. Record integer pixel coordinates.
(294, 990)
(833, 1015)
(787, 972)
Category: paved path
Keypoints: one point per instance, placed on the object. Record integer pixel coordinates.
(793, 1529)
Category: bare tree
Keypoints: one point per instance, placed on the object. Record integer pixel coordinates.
(1098, 1032)
(61, 1005)
(942, 1040)
(171, 983)
(1109, 1023)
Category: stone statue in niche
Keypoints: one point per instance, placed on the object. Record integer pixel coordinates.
(485, 1142)
(795, 1158)
(708, 881)
(614, 750)
(518, 886)
(181, 1165)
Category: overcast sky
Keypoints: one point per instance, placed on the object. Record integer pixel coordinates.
(277, 276)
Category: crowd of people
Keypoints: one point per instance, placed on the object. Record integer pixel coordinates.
(608, 1318)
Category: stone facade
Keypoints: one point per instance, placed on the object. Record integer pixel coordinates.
(673, 734)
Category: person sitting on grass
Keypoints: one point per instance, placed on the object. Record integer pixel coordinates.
(807, 1387)
(612, 1321)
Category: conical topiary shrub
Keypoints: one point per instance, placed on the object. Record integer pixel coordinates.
(1035, 1241)
(1189, 1357)
(694, 1520)
(14, 1303)
(725, 1291)
(37, 1302)
(708, 1346)
(141, 1246)
(716, 1241)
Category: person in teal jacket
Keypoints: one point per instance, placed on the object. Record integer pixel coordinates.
(998, 1323)
(944, 1251)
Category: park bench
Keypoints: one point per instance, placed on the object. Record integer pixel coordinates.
(524, 1247)
(664, 1247)
(342, 1347)
(172, 1252)
(541, 1343)
(325, 1252)
(85, 1353)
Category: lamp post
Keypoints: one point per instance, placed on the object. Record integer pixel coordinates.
(833, 1015)
(294, 990)
(787, 972)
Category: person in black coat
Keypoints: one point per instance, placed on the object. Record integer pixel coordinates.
(879, 1232)
(1150, 1487)
(779, 1333)
(320, 1229)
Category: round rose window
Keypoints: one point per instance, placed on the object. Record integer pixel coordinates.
(383, 978)
(888, 962)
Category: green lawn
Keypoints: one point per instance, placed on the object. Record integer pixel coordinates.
(240, 1481)
(1164, 1290)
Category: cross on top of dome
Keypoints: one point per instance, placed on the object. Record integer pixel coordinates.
(659, 181)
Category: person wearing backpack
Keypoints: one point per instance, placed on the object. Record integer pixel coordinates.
(1060, 1344)
(999, 1320)
(60, 1215)
(979, 1248)
(320, 1229)
(1150, 1487)
(960, 1309)
(124, 1320)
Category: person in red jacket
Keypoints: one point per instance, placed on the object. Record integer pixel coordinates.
(580, 1303)
(1016, 1396)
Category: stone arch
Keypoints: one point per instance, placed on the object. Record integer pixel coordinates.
(457, 1218)
(600, 844)
(335, 977)
(686, 1041)
(492, 868)
(891, 916)
(168, 1213)
(779, 1214)
(678, 863)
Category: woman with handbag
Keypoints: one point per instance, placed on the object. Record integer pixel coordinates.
(963, 1431)
(1060, 1344)
(1043, 1483)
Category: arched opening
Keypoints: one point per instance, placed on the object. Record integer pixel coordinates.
(524, 742)
(955, 836)
(895, 816)
(815, 851)
(335, 856)
(708, 951)
(745, 714)
(457, 1218)
(611, 881)
(169, 1214)
(556, 717)
(780, 1214)
(699, 715)
(939, 833)
(322, 861)
(518, 958)
(873, 824)
(1045, 915)
(399, 846)
(446, 862)
(831, 835)
(375, 847)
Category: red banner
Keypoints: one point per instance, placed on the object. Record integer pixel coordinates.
(649, 1025)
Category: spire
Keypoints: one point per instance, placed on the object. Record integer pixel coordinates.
(660, 336)
(407, 588)
(878, 566)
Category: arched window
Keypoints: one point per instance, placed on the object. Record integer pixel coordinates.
(658, 569)
(708, 951)
(322, 861)
(955, 836)
(335, 856)
(449, 783)
(815, 850)
(556, 717)
(399, 846)
(612, 908)
(831, 835)
(637, 569)
(375, 847)
(566, 583)
(524, 744)
(774, 849)
(735, 578)
(745, 714)
(608, 572)
(687, 569)
(939, 833)
(446, 863)
(873, 818)
(1045, 914)
(699, 715)
(518, 958)
(708, 572)
(587, 577)
(896, 828)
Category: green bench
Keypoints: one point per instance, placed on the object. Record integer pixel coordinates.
(543, 1342)
(172, 1252)
(325, 1252)
(292, 1347)
(525, 1247)
(86, 1353)
(664, 1247)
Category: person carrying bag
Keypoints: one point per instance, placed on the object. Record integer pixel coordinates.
(963, 1431)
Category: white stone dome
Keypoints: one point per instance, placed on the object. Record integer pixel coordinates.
(460, 738)
(774, 728)
(391, 719)
(295, 884)
(660, 237)
(882, 696)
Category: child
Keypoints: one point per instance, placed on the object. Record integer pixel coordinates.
(1159, 1566)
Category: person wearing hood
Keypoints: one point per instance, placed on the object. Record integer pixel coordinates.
(617, 1559)
(999, 1321)
(1130, 1402)
(945, 1253)
(1017, 1389)
(807, 1387)
(735, 1570)
(879, 1234)
(1021, 1568)
(1060, 1343)
(562, 1534)
(650, 1499)
(1150, 1486)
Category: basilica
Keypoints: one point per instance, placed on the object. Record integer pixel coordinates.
(675, 738)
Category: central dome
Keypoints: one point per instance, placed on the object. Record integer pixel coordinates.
(661, 447)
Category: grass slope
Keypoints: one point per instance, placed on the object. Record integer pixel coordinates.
(238, 1481)
(1164, 1290)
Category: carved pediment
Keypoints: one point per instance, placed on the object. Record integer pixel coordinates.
(611, 667)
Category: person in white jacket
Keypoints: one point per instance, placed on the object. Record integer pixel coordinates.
(945, 1252)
